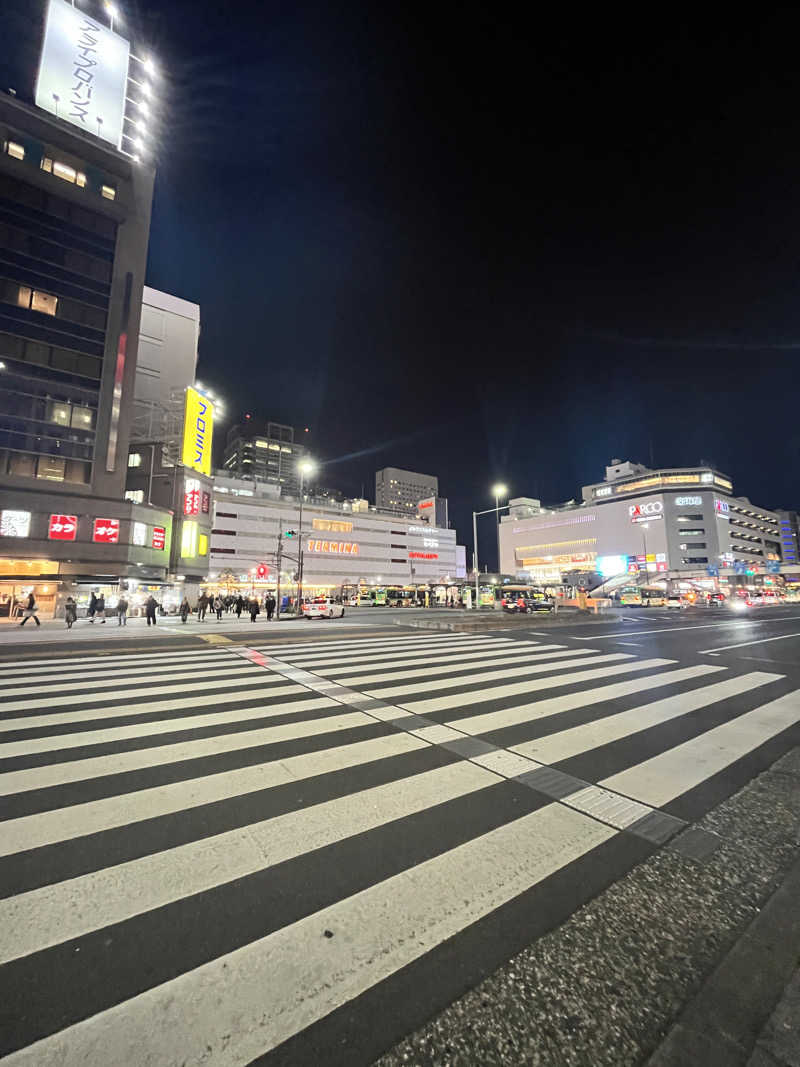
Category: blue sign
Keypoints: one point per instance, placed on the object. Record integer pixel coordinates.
(712, 570)
(739, 567)
(774, 567)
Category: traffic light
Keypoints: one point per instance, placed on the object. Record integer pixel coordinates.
(290, 533)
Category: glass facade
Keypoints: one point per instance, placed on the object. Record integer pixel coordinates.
(56, 261)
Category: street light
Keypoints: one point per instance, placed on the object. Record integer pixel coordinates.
(499, 490)
(305, 466)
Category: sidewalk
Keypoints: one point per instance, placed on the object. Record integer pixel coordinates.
(779, 1042)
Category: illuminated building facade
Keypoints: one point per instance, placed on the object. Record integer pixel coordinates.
(674, 521)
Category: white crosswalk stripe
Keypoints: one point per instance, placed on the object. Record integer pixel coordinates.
(213, 851)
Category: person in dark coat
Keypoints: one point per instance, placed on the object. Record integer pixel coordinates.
(270, 606)
(90, 611)
(185, 609)
(239, 606)
(101, 608)
(202, 604)
(254, 609)
(150, 606)
(30, 610)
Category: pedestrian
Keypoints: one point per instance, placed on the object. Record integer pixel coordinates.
(122, 612)
(219, 607)
(101, 607)
(150, 606)
(270, 606)
(90, 611)
(254, 609)
(202, 604)
(70, 612)
(30, 611)
(239, 606)
(185, 610)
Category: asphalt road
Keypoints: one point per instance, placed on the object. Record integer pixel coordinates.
(301, 843)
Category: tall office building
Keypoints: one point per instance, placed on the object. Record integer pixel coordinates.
(75, 205)
(73, 245)
(402, 490)
(264, 452)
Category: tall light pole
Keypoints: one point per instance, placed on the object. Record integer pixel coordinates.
(499, 490)
(305, 466)
(645, 526)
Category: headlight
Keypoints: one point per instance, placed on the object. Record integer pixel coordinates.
(739, 605)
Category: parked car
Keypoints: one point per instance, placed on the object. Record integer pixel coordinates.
(322, 607)
(674, 602)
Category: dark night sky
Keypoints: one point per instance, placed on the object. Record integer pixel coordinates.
(484, 248)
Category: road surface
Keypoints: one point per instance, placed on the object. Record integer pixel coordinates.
(300, 844)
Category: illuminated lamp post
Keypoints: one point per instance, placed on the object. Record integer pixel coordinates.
(305, 466)
(499, 490)
(645, 526)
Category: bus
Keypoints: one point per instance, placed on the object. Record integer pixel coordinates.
(519, 597)
(642, 596)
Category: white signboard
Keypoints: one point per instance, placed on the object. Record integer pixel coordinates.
(83, 73)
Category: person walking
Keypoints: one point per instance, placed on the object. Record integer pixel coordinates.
(70, 612)
(101, 608)
(239, 606)
(150, 606)
(270, 606)
(254, 609)
(202, 604)
(30, 611)
(91, 610)
(219, 607)
(185, 610)
(122, 612)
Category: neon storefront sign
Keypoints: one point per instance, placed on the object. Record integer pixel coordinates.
(342, 548)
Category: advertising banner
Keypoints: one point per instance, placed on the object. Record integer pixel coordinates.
(83, 72)
(198, 428)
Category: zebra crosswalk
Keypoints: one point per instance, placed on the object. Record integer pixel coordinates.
(259, 852)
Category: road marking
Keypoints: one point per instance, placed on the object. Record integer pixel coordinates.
(436, 671)
(579, 739)
(84, 685)
(674, 772)
(218, 1011)
(64, 824)
(48, 916)
(216, 639)
(682, 629)
(540, 709)
(744, 644)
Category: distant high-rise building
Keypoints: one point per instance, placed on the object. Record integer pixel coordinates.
(264, 452)
(402, 490)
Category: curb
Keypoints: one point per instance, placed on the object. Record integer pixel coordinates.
(720, 1027)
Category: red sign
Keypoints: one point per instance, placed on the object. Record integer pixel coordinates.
(191, 502)
(206, 506)
(423, 555)
(262, 571)
(62, 527)
(425, 504)
(106, 531)
(159, 537)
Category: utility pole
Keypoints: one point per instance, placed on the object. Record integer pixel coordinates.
(278, 580)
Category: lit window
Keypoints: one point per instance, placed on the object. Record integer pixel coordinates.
(81, 418)
(58, 413)
(136, 495)
(47, 164)
(24, 297)
(275, 448)
(108, 192)
(44, 302)
(135, 459)
(51, 468)
(80, 179)
(15, 150)
(64, 171)
(285, 449)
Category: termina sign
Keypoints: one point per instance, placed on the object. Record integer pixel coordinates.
(83, 72)
(198, 427)
(646, 512)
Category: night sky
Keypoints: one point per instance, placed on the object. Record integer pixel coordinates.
(485, 246)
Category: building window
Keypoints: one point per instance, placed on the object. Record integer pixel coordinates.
(36, 300)
(108, 192)
(694, 559)
(693, 533)
(47, 164)
(695, 544)
(82, 418)
(58, 413)
(135, 495)
(51, 468)
(65, 172)
(135, 459)
(15, 150)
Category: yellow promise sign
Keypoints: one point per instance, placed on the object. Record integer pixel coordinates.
(198, 427)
